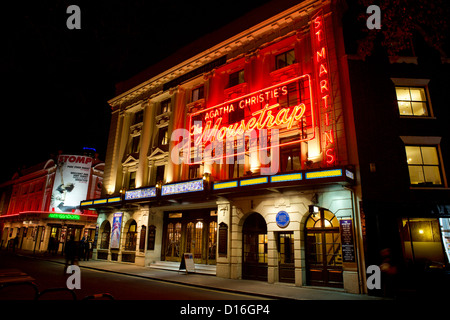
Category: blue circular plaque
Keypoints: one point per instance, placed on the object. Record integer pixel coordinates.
(282, 219)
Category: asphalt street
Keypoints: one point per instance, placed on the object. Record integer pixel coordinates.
(51, 275)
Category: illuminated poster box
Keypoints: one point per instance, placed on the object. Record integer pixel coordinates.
(71, 182)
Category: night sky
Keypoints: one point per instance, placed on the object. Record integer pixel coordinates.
(56, 81)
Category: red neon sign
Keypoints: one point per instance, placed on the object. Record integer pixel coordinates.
(325, 103)
(285, 106)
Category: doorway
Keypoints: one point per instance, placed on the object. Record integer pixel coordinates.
(323, 250)
(190, 231)
(254, 232)
(286, 266)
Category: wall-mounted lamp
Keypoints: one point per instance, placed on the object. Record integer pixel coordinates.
(314, 209)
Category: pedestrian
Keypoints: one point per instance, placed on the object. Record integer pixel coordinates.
(15, 243)
(82, 247)
(87, 249)
(389, 273)
(51, 244)
(71, 252)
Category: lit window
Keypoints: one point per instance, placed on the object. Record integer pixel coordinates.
(236, 78)
(285, 59)
(423, 165)
(197, 94)
(165, 106)
(163, 137)
(412, 101)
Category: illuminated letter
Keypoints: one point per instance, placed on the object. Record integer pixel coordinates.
(329, 137)
(320, 54)
(317, 22)
(330, 156)
(322, 70)
(297, 114)
(318, 34)
(327, 119)
(323, 85)
(374, 21)
(74, 21)
(325, 101)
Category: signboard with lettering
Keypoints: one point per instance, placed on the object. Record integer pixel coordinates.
(71, 182)
(187, 263)
(347, 241)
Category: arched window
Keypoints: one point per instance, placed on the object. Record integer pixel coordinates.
(130, 243)
(104, 244)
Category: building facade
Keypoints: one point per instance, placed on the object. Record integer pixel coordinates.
(403, 146)
(40, 204)
(242, 155)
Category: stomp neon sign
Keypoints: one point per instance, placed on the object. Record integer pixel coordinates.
(246, 120)
(324, 90)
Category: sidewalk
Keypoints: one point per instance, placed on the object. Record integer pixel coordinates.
(257, 288)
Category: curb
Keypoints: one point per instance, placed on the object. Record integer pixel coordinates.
(263, 295)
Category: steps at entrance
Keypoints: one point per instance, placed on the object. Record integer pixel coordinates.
(208, 269)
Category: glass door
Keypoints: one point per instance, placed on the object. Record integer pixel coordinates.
(286, 267)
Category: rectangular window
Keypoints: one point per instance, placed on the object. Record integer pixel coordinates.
(412, 101)
(236, 78)
(135, 144)
(421, 239)
(138, 117)
(165, 106)
(423, 164)
(285, 59)
(194, 171)
(160, 173)
(132, 180)
(163, 137)
(197, 94)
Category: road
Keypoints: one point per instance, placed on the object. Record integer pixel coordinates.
(122, 287)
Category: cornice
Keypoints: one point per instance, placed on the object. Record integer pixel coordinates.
(153, 85)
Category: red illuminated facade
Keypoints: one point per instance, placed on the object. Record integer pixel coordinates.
(26, 214)
(243, 155)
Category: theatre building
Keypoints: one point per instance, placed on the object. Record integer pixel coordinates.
(242, 153)
(40, 204)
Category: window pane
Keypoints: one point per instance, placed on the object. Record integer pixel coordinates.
(432, 174)
(416, 174)
(419, 108)
(418, 94)
(405, 108)
(280, 61)
(413, 155)
(403, 94)
(290, 57)
(429, 155)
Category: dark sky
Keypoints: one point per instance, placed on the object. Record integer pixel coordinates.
(56, 81)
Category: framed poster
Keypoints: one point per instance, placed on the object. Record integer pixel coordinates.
(115, 233)
(348, 247)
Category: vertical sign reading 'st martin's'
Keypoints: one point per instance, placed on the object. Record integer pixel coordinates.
(322, 70)
(71, 182)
